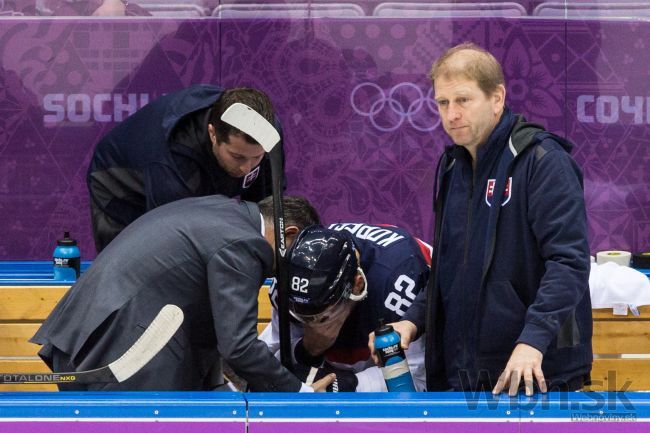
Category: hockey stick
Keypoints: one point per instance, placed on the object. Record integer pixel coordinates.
(154, 338)
(255, 125)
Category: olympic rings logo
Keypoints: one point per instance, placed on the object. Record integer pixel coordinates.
(387, 112)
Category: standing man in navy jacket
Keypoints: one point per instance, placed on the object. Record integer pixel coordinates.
(173, 148)
(509, 300)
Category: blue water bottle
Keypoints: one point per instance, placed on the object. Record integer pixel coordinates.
(392, 359)
(67, 259)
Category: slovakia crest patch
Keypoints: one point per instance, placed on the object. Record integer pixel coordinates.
(489, 192)
(250, 177)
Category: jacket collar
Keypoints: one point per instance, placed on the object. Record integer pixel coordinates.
(498, 137)
(495, 142)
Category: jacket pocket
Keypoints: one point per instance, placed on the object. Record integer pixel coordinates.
(502, 319)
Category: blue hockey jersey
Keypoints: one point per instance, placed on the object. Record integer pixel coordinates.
(396, 266)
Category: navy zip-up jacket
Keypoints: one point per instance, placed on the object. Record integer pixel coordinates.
(511, 261)
(160, 154)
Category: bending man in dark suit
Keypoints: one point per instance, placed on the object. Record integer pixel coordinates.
(207, 255)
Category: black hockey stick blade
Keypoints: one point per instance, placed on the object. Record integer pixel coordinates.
(154, 338)
(250, 122)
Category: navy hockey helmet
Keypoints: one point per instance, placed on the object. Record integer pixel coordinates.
(322, 266)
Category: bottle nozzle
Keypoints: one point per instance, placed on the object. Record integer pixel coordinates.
(67, 240)
(383, 328)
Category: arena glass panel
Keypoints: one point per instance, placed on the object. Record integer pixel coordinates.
(342, 86)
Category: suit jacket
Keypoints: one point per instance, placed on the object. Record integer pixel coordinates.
(206, 255)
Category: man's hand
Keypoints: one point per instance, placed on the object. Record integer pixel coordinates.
(405, 328)
(111, 8)
(322, 384)
(344, 380)
(525, 362)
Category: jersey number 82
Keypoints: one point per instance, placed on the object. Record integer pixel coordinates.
(395, 301)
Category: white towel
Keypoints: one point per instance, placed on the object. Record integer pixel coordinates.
(610, 283)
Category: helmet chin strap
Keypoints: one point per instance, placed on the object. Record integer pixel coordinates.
(361, 296)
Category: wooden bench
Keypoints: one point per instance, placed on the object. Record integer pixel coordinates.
(621, 343)
(621, 350)
(23, 309)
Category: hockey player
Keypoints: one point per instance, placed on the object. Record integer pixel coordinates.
(343, 279)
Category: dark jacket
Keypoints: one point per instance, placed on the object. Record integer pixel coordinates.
(512, 260)
(160, 154)
(206, 255)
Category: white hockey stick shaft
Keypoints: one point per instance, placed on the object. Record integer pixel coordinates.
(154, 338)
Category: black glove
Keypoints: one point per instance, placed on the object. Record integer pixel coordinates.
(346, 380)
